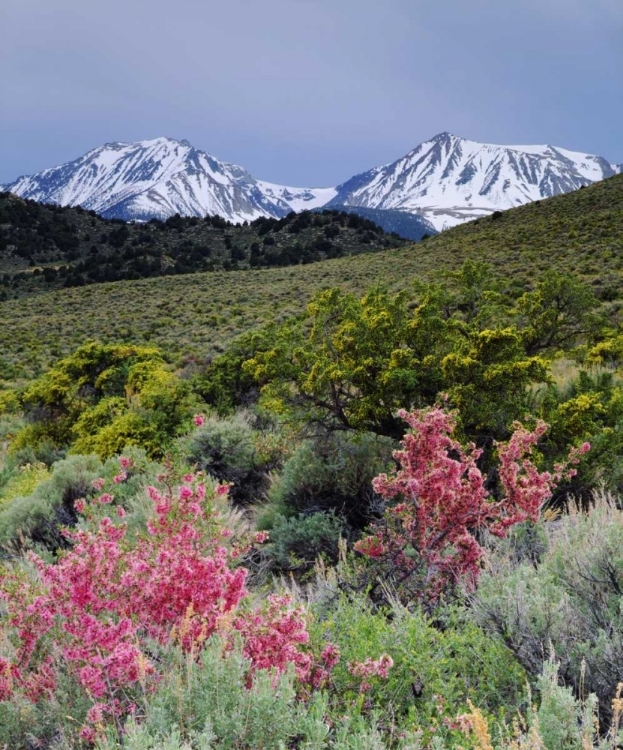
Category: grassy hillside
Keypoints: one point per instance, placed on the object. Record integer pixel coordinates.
(195, 316)
(44, 247)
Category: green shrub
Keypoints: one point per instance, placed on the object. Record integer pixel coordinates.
(332, 474)
(570, 602)
(205, 704)
(296, 542)
(104, 397)
(48, 723)
(436, 670)
(564, 722)
(225, 448)
(23, 482)
(36, 518)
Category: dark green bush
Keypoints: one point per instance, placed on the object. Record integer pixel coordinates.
(334, 474)
(225, 449)
(296, 542)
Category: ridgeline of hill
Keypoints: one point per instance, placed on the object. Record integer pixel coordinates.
(45, 247)
(192, 317)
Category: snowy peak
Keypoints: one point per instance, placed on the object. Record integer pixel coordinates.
(450, 179)
(446, 180)
(160, 177)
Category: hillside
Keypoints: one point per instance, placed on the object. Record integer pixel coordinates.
(409, 225)
(44, 246)
(194, 316)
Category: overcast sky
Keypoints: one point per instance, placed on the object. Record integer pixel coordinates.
(306, 92)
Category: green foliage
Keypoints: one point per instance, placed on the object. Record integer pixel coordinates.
(296, 542)
(191, 317)
(435, 672)
(104, 397)
(205, 704)
(35, 519)
(488, 378)
(361, 361)
(225, 448)
(223, 383)
(23, 482)
(570, 602)
(564, 722)
(48, 723)
(587, 407)
(332, 474)
(557, 313)
(365, 358)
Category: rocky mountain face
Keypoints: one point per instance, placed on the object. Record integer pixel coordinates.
(445, 181)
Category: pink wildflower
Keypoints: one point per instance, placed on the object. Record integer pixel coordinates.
(88, 734)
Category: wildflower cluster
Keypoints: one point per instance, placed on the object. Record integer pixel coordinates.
(370, 668)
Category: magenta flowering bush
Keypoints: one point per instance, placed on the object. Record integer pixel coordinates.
(97, 611)
(428, 540)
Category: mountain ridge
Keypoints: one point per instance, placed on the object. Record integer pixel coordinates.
(450, 179)
(445, 180)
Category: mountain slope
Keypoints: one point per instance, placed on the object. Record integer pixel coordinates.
(449, 179)
(194, 316)
(159, 178)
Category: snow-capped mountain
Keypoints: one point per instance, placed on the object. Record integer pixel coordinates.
(449, 179)
(446, 180)
(159, 178)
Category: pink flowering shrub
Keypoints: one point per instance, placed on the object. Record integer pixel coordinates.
(427, 540)
(97, 609)
(370, 668)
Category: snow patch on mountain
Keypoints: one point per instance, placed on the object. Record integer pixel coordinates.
(161, 177)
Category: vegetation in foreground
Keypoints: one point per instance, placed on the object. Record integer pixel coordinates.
(399, 626)
(406, 507)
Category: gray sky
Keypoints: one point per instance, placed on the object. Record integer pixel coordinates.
(306, 92)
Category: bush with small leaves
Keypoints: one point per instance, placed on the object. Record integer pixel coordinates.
(295, 543)
(225, 449)
(333, 474)
(569, 603)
